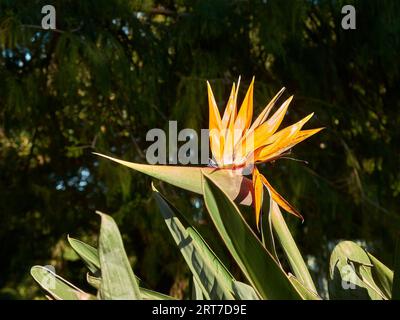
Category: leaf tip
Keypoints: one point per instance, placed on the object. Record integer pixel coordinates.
(101, 214)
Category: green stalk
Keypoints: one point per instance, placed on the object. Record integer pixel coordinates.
(293, 254)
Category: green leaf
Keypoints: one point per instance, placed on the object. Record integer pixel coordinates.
(90, 255)
(197, 291)
(351, 274)
(117, 279)
(95, 282)
(289, 246)
(305, 292)
(267, 233)
(383, 276)
(56, 286)
(87, 253)
(396, 276)
(147, 294)
(244, 292)
(210, 273)
(238, 188)
(258, 265)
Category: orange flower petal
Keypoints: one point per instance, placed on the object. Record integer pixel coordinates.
(280, 200)
(216, 145)
(261, 134)
(275, 120)
(301, 135)
(304, 134)
(264, 114)
(230, 110)
(280, 141)
(245, 115)
(228, 122)
(215, 127)
(258, 194)
(215, 118)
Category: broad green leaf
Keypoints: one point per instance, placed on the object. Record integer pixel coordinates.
(305, 292)
(351, 275)
(238, 188)
(267, 232)
(396, 275)
(90, 255)
(258, 265)
(343, 283)
(197, 291)
(289, 246)
(95, 282)
(244, 292)
(210, 273)
(365, 273)
(56, 286)
(383, 276)
(147, 294)
(117, 279)
(87, 253)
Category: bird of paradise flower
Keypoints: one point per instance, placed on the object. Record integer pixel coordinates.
(237, 146)
(240, 145)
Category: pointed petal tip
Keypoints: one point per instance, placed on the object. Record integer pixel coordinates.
(287, 102)
(305, 119)
(298, 215)
(280, 92)
(316, 130)
(252, 82)
(237, 87)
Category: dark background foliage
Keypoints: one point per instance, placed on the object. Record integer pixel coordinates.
(114, 69)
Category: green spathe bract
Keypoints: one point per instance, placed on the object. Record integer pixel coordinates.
(189, 178)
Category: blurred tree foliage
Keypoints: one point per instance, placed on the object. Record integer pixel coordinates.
(114, 69)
